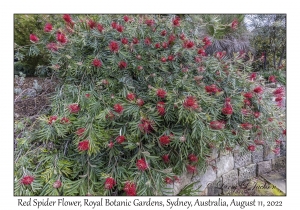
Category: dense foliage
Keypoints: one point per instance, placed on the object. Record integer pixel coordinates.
(140, 103)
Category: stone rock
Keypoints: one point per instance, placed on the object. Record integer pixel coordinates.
(214, 154)
(224, 153)
(246, 173)
(283, 148)
(215, 188)
(230, 181)
(279, 163)
(224, 164)
(258, 154)
(242, 160)
(264, 167)
(268, 153)
(201, 181)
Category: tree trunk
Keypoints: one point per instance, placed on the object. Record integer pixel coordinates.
(281, 57)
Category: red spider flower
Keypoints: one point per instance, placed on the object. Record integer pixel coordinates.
(52, 119)
(248, 95)
(92, 24)
(146, 126)
(278, 142)
(67, 18)
(258, 90)
(245, 111)
(113, 46)
(190, 103)
(114, 25)
(276, 150)
(120, 139)
(220, 55)
(118, 108)
(84, 145)
(272, 79)
(110, 144)
(120, 28)
(140, 68)
(176, 21)
(279, 91)
(135, 41)
(201, 52)
(251, 148)
(27, 180)
(161, 93)
(48, 27)
(97, 63)
(87, 95)
(33, 38)
(163, 59)
(182, 36)
(140, 102)
(122, 65)
(284, 132)
(157, 45)
(164, 140)
(217, 125)
(163, 33)
(211, 89)
(60, 37)
(109, 183)
(57, 184)
(247, 102)
(65, 120)
(130, 96)
(278, 99)
(192, 158)
(150, 22)
(100, 27)
(170, 57)
(74, 108)
(80, 131)
(246, 126)
(147, 41)
(168, 180)
(259, 142)
(130, 188)
(234, 24)
(165, 45)
(161, 110)
(166, 158)
(227, 110)
(126, 18)
(124, 41)
(253, 76)
(256, 114)
(52, 46)
(141, 164)
(188, 44)
(172, 38)
(191, 169)
(206, 42)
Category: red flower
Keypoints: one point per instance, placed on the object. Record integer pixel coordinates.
(170, 57)
(109, 183)
(27, 180)
(140, 102)
(141, 164)
(130, 188)
(135, 40)
(161, 109)
(245, 111)
(276, 150)
(146, 126)
(164, 140)
(188, 44)
(60, 37)
(272, 78)
(113, 46)
(172, 38)
(120, 28)
(87, 95)
(201, 52)
(191, 169)
(220, 55)
(130, 96)
(92, 24)
(118, 108)
(176, 21)
(122, 65)
(147, 41)
(279, 91)
(52, 46)
(253, 76)
(157, 45)
(192, 158)
(256, 114)
(140, 68)
(212, 89)
(80, 131)
(65, 120)
(120, 139)
(247, 102)
(270, 119)
(206, 42)
(67, 18)
(278, 99)
(234, 24)
(248, 95)
(190, 103)
(52, 119)
(163, 33)
(150, 22)
(165, 158)
(114, 25)
(168, 180)
(84, 145)
(258, 89)
(100, 27)
(246, 126)
(74, 108)
(161, 93)
(163, 59)
(110, 144)
(227, 110)
(33, 38)
(217, 125)
(126, 18)
(97, 62)
(165, 45)
(259, 142)
(251, 148)
(182, 36)
(278, 141)
(284, 132)
(124, 41)
(48, 27)
(57, 184)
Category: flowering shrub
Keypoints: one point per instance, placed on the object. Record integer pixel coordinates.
(141, 102)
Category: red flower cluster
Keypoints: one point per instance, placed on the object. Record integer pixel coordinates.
(258, 90)
(114, 25)
(110, 144)
(122, 64)
(191, 169)
(113, 46)
(100, 27)
(168, 180)
(80, 131)
(27, 180)
(67, 18)
(140, 102)
(57, 184)
(248, 95)
(172, 38)
(92, 24)
(135, 40)
(130, 96)
(284, 132)
(234, 24)
(118, 108)
(251, 148)
(150, 22)
(60, 37)
(190, 103)
(217, 125)
(84, 145)
(157, 45)
(161, 108)
(188, 44)
(141, 164)
(124, 41)
(65, 120)
(212, 89)
(247, 102)
(74, 108)
(52, 46)
(259, 142)
(147, 41)
(164, 140)
(146, 126)
(130, 188)
(97, 63)
(276, 150)
(120, 139)
(161, 93)
(192, 158)
(227, 110)
(163, 59)
(253, 76)
(163, 33)
(120, 28)
(126, 18)
(279, 92)
(87, 95)
(33, 38)
(48, 27)
(272, 79)
(176, 21)
(182, 36)
(109, 183)
(256, 114)
(52, 119)
(206, 42)
(246, 126)
(165, 45)
(201, 52)
(166, 158)
(220, 55)
(170, 57)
